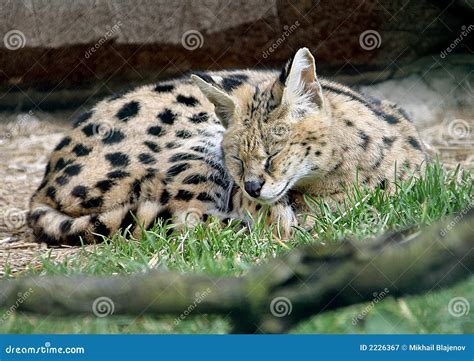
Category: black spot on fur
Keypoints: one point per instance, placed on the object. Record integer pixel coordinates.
(205, 197)
(99, 226)
(62, 180)
(365, 139)
(390, 119)
(231, 83)
(42, 237)
(90, 129)
(172, 145)
(205, 77)
(81, 150)
(286, 70)
(379, 159)
(317, 153)
(219, 179)
(60, 164)
(92, 202)
(165, 197)
(199, 149)
(177, 169)
(374, 101)
(79, 192)
(348, 123)
(184, 156)
(82, 118)
(337, 166)
(34, 217)
(184, 195)
(105, 185)
(383, 184)
(128, 110)
(156, 130)
(63, 143)
(150, 173)
(414, 143)
(388, 141)
(185, 134)
(165, 215)
(47, 170)
(404, 114)
(65, 226)
(242, 77)
(152, 146)
(42, 185)
(199, 118)
(146, 158)
(118, 159)
(51, 192)
(167, 116)
(135, 189)
(217, 166)
(73, 169)
(128, 221)
(166, 88)
(189, 101)
(195, 179)
(115, 136)
(118, 174)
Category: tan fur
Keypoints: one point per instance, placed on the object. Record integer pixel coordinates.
(302, 128)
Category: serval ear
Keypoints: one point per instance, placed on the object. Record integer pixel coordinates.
(224, 105)
(301, 87)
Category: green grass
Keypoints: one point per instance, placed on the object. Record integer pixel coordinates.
(214, 250)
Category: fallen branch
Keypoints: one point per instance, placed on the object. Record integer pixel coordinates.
(275, 296)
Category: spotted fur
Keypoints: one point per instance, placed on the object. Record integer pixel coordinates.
(188, 148)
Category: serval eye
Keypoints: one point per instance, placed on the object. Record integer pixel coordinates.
(241, 162)
(268, 161)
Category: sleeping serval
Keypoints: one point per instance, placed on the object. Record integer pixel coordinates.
(222, 144)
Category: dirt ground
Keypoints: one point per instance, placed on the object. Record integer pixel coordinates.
(26, 139)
